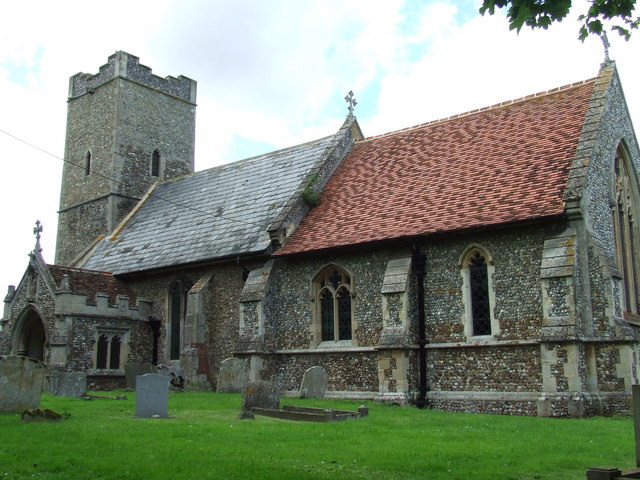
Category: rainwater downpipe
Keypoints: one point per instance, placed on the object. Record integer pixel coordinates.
(418, 261)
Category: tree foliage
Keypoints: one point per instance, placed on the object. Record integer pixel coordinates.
(619, 14)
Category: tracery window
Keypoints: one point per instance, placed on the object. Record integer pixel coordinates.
(477, 270)
(177, 314)
(109, 351)
(626, 230)
(334, 292)
(155, 163)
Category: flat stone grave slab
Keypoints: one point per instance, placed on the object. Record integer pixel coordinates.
(21, 383)
(233, 376)
(152, 396)
(314, 383)
(311, 414)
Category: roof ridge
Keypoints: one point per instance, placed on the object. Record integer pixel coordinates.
(244, 160)
(495, 106)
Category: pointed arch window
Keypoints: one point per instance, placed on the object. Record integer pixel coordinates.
(177, 313)
(155, 163)
(626, 230)
(109, 350)
(333, 299)
(87, 163)
(477, 272)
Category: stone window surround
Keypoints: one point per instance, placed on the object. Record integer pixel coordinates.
(467, 319)
(110, 332)
(316, 288)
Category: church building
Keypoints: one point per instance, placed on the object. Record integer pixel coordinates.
(486, 262)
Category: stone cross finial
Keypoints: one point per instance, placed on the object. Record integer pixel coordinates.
(37, 230)
(350, 99)
(606, 44)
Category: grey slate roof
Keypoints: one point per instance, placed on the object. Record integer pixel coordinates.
(220, 212)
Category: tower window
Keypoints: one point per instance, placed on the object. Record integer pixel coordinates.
(155, 163)
(87, 163)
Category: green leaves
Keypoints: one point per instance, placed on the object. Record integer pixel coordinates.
(619, 14)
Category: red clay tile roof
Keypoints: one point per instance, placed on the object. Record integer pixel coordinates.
(505, 163)
(91, 282)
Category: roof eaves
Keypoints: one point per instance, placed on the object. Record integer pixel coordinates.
(429, 235)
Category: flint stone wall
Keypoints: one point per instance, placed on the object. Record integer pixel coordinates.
(220, 308)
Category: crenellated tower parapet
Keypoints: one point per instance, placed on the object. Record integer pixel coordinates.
(124, 65)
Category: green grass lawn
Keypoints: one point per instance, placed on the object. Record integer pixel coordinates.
(204, 440)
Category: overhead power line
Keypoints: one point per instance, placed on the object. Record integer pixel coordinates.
(124, 184)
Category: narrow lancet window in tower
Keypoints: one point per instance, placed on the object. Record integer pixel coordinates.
(87, 163)
(155, 163)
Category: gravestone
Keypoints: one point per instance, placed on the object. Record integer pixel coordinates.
(314, 383)
(67, 384)
(261, 394)
(133, 370)
(233, 376)
(152, 395)
(21, 383)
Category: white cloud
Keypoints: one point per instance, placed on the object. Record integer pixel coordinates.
(269, 72)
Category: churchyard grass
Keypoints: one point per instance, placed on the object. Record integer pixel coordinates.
(203, 439)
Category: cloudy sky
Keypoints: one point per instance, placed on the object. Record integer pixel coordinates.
(271, 73)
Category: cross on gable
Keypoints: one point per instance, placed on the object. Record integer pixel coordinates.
(37, 230)
(605, 44)
(350, 99)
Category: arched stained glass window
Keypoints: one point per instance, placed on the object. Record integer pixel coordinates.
(626, 230)
(477, 269)
(479, 288)
(334, 303)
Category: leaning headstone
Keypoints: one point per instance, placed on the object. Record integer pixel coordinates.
(233, 376)
(68, 384)
(152, 395)
(261, 394)
(21, 383)
(133, 370)
(314, 383)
